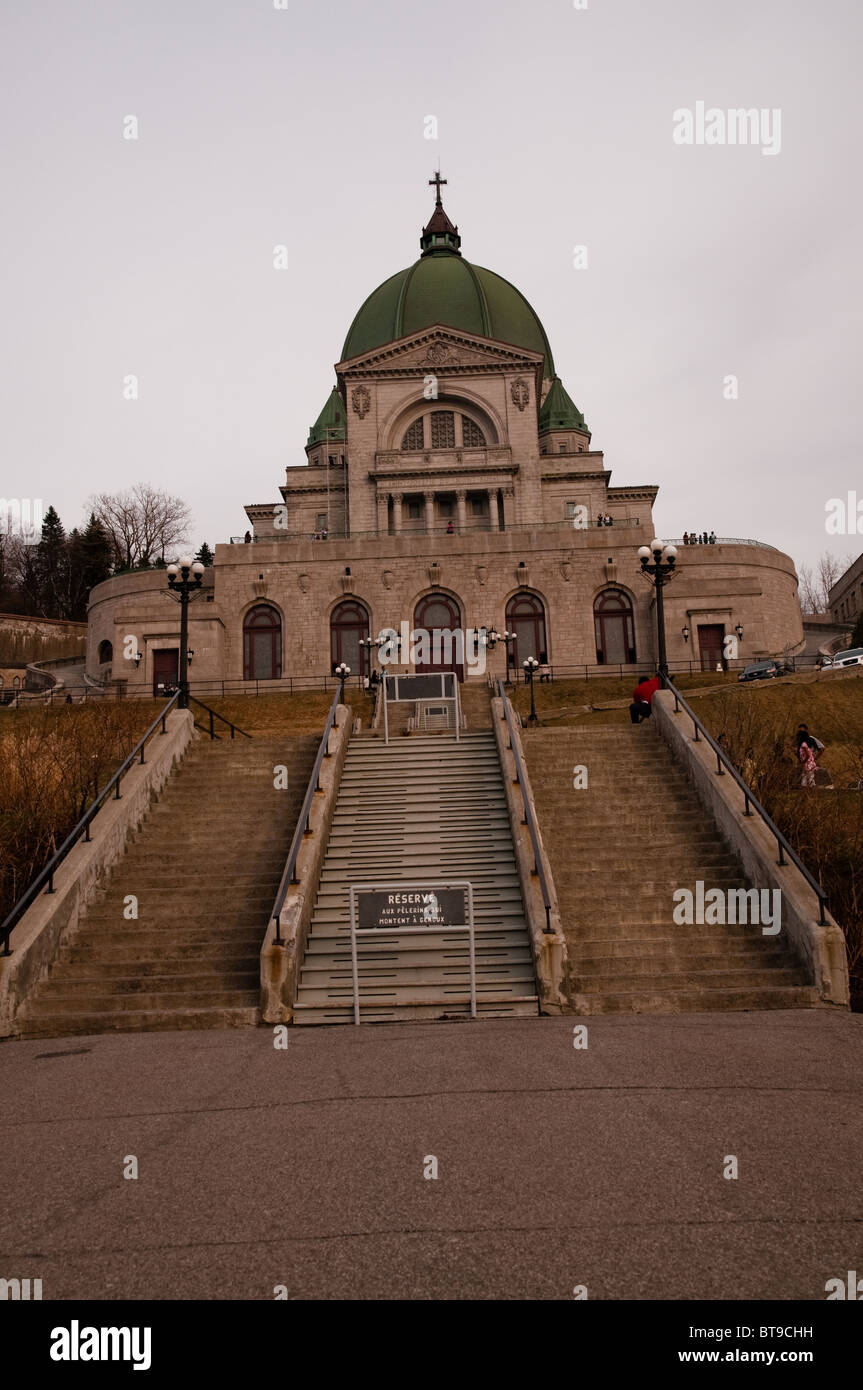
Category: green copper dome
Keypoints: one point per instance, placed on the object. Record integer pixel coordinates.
(558, 411)
(443, 287)
(330, 424)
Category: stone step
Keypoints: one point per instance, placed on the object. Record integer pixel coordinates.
(669, 1000)
(744, 977)
(51, 1003)
(324, 956)
(655, 953)
(62, 1025)
(124, 961)
(102, 980)
(414, 1012)
(407, 994)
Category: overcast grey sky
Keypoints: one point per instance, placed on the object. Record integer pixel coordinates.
(305, 126)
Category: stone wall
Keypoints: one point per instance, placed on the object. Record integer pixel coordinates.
(748, 584)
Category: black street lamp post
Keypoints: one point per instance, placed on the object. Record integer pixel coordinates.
(184, 584)
(658, 562)
(342, 671)
(492, 637)
(374, 644)
(531, 666)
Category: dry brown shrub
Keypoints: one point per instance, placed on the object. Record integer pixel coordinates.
(52, 763)
(824, 824)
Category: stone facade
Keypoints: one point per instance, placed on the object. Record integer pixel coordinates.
(434, 470)
(846, 596)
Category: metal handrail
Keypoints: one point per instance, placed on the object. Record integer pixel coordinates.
(750, 799)
(289, 873)
(83, 827)
(529, 817)
(214, 714)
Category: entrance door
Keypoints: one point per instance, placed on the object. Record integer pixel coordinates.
(711, 637)
(438, 616)
(166, 669)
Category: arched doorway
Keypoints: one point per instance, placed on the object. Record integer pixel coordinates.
(106, 652)
(443, 650)
(349, 624)
(615, 628)
(262, 644)
(525, 616)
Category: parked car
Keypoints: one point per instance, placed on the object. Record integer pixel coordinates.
(853, 657)
(759, 671)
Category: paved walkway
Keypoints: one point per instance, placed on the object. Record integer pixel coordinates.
(556, 1167)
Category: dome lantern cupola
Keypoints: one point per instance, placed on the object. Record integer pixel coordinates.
(439, 234)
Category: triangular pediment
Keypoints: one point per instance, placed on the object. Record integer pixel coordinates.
(439, 349)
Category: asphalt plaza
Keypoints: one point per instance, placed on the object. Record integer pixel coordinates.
(558, 1167)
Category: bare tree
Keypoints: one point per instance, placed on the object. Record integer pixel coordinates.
(815, 586)
(143, 523)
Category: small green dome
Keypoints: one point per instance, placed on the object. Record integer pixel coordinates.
(330, 424)
(442, 287)
(559, 412)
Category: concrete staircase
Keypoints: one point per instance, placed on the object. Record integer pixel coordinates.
(422, 808)
(618, 850)
(204, 867)
(475, 698)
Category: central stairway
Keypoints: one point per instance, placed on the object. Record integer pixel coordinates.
(419, 809)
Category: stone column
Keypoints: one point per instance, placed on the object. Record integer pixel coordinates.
(494, 519)
(397, 512)
(506, 503)
(383, 501)
(429, 516)
(461, 508)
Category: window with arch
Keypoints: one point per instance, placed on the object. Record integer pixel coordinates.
(438, 613)
(349, 624)
(415, 435)
(471, 434)
(16, 682)
(262, 643)
(615, 628)
(525, 616)
(441, 433)
(106, 652)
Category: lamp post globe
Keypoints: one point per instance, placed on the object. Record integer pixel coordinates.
(658, 563)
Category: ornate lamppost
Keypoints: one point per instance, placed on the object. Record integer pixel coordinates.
(342, 671)
(658, 562)
(492, 637)
(374, 644)
(184, 584)
(531, 666)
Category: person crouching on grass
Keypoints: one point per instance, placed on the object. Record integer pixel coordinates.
(642, 698)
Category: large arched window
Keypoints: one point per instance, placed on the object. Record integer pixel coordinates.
(443, 429)
(106, 652)
(262, 644)
(349, 624)
(615, 629)
(525, 616)
(438, 616)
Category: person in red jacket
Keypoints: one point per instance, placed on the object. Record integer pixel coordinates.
(642, 698)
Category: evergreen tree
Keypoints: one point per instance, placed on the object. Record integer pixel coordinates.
(205, 555)
(89, 564)
(52, 568)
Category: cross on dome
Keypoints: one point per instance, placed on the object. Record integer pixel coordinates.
(437, 181)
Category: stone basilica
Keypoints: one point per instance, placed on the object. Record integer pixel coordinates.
(451, 483)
